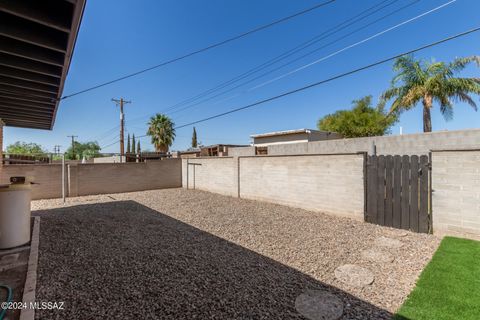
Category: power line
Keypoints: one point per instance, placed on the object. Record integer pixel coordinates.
(346, 23)
(356, 43)
(332, 78)
(299, 58)
(319, 5)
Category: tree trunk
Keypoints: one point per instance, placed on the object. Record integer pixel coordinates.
(427, 118)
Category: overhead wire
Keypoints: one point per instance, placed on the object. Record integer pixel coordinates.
(214, 45)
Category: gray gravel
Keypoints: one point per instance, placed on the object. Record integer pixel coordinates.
(183, 254)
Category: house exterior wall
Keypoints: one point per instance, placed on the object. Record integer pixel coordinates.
(288, 138)
(456, 193)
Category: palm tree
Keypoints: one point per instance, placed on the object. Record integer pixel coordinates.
(429, 82)
(161, 130)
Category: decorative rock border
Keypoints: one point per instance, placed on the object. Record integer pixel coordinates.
(31, 279)
(319, 305)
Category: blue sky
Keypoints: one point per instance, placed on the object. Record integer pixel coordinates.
(118, 37)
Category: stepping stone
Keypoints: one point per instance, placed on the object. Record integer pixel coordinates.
(319, 305)
(388, 242)
(354, 275)
(396, 233)
(377, 255)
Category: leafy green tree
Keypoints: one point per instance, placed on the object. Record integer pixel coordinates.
(88, 150)
(428, 82)
(128, 144)
(162, 132)
(194, 138)
(362, 120)
(21, 147)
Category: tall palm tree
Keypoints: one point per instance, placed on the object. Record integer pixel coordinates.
(429, 82)
(162, 132)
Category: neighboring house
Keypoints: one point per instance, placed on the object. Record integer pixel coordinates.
(194, 153)
(217, 150)
(292, 136)
(263, 140)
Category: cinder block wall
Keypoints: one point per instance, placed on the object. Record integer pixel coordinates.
(332, 184)
(48, 178)
(456, 195)
(89, 179)
(328, 183)
(215, 174)
(419, 143)
(126, 177)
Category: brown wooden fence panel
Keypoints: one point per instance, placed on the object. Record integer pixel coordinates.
(423, 225)
(398, 192)
(405, 221)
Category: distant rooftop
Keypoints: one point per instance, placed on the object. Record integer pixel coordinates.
(286, 132)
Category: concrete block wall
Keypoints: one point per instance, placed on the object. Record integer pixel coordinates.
(328, 183)
(409, 144)
(456, 195)
(90, 179)
(48, 178)
(214, 174)
(125, 177)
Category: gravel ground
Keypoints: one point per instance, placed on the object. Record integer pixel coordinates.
(184, 254)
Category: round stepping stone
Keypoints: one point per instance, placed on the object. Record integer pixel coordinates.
(376, 255)
(354, 275)
(396, 233)
(388, 242)
(319, 305)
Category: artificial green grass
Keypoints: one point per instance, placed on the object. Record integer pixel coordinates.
(449, 287)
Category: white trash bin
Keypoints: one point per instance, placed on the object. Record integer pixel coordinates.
(15, 214)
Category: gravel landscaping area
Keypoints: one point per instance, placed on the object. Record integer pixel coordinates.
(189, 254)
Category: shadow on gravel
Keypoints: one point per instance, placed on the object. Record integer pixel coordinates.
(124, 260)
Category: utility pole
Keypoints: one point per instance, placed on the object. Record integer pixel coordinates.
(121, 102)
(56, 149)
(73, 145)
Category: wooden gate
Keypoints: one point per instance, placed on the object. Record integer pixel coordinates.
(398, 192)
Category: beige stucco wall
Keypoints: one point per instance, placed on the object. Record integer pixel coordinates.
(215, 174)
(326, 183)
(87, 179)
(456, 195)
(331, 184)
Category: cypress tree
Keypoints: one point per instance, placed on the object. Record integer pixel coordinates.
(194, 138)
(128, 143)
(138, 147)
(133, 143)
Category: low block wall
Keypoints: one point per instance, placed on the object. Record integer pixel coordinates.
(456, 193)
(90, 179)
(48, 178)
(326, 183)
(332, 184)
(215, 174)
(125, 177)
